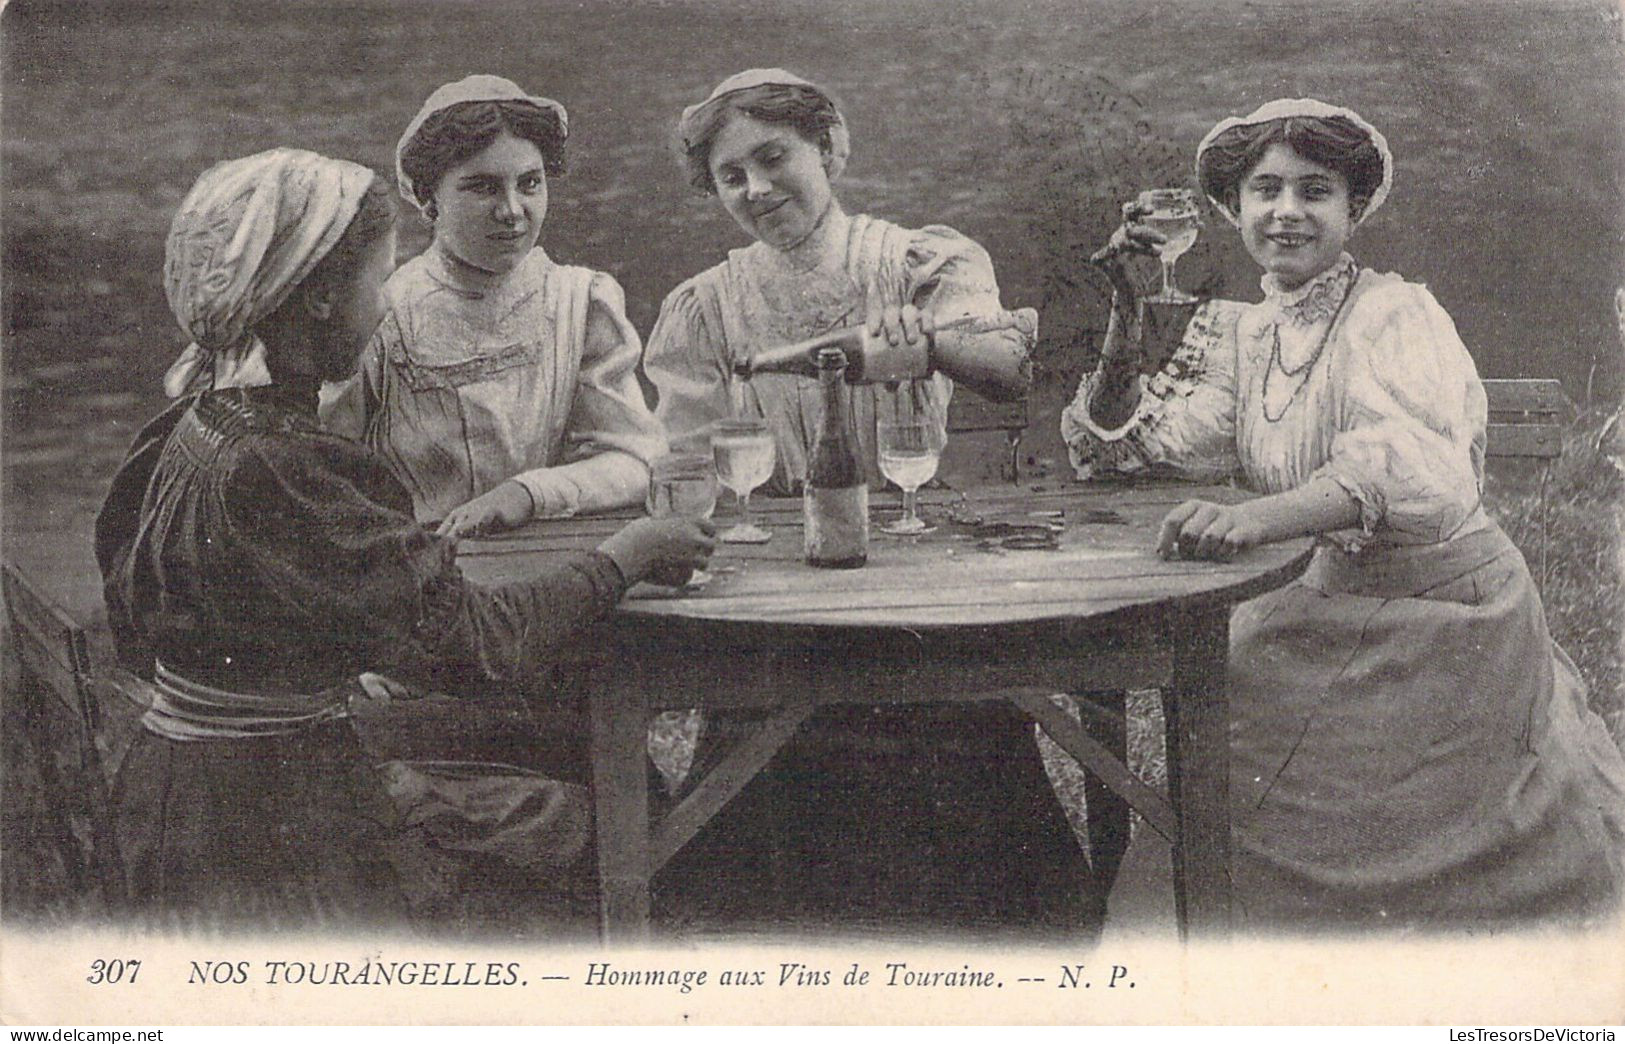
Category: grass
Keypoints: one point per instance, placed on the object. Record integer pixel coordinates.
(1024, 123)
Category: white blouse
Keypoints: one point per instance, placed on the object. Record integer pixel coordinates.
(471, 381)
(753, 300)
(1356, 376)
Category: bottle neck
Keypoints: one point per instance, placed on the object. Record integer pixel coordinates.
(801, 357)
(830, 379)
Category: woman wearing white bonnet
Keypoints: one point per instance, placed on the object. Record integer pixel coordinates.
(255, 565)
(938, 818)
(501, 384)
(769, 145)
(1410, 748)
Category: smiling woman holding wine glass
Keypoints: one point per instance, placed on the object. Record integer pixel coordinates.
(1410, 750)
(958, 823)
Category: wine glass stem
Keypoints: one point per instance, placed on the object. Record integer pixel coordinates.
(1167, 279)
(908, 506)
(744, 509)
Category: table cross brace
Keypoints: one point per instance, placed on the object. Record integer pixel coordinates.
(1069, 735)
(738, 767)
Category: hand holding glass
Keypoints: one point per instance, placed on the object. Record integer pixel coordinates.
(909, 451)
(683, 485)
(743, 451)
(1173, 214)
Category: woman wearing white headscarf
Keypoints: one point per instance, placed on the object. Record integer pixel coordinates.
(933, 818)
(1410, 748)
(500, 384)
(254, 565)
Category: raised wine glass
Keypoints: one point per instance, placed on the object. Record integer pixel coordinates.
(1173, 213)
(909, 451)
(683, 485)
(743, 451)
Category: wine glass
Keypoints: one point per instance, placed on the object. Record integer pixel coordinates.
(743, 451)
(909, 451)
(1173, 213)
(683, 485)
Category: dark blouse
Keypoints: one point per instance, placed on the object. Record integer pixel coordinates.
(248, 549)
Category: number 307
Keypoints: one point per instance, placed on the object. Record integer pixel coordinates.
(108, 972)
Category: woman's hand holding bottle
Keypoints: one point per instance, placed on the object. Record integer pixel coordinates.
(899, 322)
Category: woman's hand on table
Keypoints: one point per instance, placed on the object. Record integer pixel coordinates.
(1201, 529)
(509, 504)
(663, 551)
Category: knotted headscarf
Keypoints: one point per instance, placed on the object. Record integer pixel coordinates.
(249, 232)
(477, 88)
(1286, 108)
(697, 115)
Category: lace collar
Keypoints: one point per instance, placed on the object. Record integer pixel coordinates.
(1318, 299)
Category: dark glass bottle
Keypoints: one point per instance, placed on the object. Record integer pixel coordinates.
(835, 499)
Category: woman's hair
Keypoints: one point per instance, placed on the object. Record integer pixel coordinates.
(1334, 142)
(455, 133)
(374, 217)
(808, 111)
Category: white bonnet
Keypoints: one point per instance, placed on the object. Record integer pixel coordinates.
(694, 116)
(1283, 108)
(476, 88)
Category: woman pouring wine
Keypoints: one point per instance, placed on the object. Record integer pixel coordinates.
(940, 817)
(769, 145)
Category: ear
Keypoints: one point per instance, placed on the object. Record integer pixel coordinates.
(1357, 207)
(826, 151)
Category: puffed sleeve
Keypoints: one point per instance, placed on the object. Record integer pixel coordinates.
(951, 277)
(1409, 438)
(686, 360)
(118, 526)
(1186, 416)
(612, 435)
(334, 529)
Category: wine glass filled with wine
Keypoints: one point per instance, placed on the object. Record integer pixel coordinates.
(742, 448)
(1172, 212)
(909, 451)
(683, 485)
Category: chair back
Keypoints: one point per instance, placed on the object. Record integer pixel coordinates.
(1526, 422)
(969, 412)
(59, 713)
(1527, 418)
(50, 646)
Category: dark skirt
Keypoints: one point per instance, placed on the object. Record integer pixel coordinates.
(1412, 751)
(268, 833)
(922, 820)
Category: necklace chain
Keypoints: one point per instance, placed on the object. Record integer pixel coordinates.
(1275, 360)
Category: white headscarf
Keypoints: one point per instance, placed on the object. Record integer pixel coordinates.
(1285, 108)
(249, 232)
(840, 141)
(477, 88)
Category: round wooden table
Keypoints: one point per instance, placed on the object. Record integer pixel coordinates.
(1021, 592)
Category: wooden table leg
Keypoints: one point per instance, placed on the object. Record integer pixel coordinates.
(620, 786)
(1197, 711)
